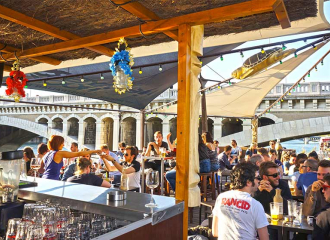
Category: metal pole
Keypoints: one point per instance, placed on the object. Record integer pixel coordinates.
(255, 130)
(142, 119)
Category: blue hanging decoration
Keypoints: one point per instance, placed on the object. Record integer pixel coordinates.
(120, 66)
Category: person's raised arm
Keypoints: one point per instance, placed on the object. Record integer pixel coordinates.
(149, 149)
(263, 233)
(65, 154)
(170, 145)
(106, 163)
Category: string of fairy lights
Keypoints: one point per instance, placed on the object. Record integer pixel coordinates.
(295, 85)
(283, 44)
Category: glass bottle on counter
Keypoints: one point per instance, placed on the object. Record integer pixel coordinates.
(124, 181)
(278, 202)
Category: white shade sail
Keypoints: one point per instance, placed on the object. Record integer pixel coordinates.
(241, 100)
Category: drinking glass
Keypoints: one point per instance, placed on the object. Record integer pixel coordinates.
(298, 213)
(12, 228)
(111, 179)
(22, 230)
(35, 165)
(28, 212)
(152, 181)
(34, 232)
(291, 207)
(274, 211)
(163, 152)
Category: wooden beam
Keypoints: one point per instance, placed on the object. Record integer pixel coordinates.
(43, 59)
(214, 15)
(7, 68)
(183, 121)
(143, 13)
(19, 18)
(282, 14)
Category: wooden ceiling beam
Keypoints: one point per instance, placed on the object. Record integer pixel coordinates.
(143, 13)
(22, 19)
(209, 16)
(44, 59)
(282, 14)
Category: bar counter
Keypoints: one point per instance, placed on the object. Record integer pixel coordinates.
(163, 222)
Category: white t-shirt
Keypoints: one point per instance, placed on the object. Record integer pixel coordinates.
(239, 216)
(291, 170)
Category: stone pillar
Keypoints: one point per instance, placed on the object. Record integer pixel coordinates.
(302, 103)
(217, 128)
(166, 128)
(65, 128)
(247, 123)
(81, 133)
(314, 103)
(98, 133)
(138, 132)
(116, 125)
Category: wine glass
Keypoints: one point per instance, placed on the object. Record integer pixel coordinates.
(35, 165)
(111, 179)
(152, 181)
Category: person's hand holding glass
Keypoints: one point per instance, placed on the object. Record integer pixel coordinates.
(111, 179)
(152, 181)
(35, 165)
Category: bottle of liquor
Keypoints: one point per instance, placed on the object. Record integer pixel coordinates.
(123, 181)
(278, 202)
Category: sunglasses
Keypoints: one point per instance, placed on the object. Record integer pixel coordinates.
(275, 175)
(126, 154)
(258, 178)
(122, 149)
(325, 187)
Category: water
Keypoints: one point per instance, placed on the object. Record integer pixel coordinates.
(299, 146)
(34, 146)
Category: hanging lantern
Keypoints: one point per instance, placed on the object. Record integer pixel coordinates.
(16, 82)
(120, 65)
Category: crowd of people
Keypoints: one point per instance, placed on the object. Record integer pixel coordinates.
(240, 213)
(255, 175)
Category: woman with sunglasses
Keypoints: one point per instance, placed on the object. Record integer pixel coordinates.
(83, 175)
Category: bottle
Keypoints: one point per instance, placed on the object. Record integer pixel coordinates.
(278, 202)
(123, 181)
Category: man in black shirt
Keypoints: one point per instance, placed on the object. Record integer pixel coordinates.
(268, 171)
(322, 221)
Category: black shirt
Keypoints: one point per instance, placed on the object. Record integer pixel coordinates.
(322, 224)
(202, 152)
(164, 145)
(134, 164)
(88, 179)
(265, 197)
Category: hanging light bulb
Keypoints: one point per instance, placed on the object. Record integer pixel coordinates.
(309, 74)
(316, 68)
(200, 61)
(219, 86)
(283, 47)
(282, 100)
(315, 47)
(242, 55)
(295, 55)
(262, 50)
(299, 85)
(101, 77)
(26, 86)
(221, 58)
(63, 81)
(236, 119)
(229, 83)
(140, 71)
(304, 79)
(82, 79)
(281, 62)
(160, 68)
(322, 63)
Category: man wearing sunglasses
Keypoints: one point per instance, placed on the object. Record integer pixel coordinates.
(308, 177)
(314, 198)
(236, 215)
(270, 181)
(120, 152)
(322, 221)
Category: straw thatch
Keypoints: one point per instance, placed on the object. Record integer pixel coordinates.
(89, 17)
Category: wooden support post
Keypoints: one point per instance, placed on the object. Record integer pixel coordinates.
(187, 166)
(142, 119)
(255, 130)
(282, 14)
(204, 110)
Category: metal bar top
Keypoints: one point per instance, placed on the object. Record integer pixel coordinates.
(94, 199)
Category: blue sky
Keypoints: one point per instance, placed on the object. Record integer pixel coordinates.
(233, 61)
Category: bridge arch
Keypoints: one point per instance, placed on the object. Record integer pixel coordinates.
(128, 131)
(90, 115)
(57, 116)
(272, 117)
(42, 119)
(34, 127)
(73, 116)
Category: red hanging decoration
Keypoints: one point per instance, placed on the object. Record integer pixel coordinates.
(16, 83)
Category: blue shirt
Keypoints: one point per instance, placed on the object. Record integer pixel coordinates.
(224, 162)
(69, 171)
(305, 180)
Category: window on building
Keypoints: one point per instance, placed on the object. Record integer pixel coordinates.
(314, 89)
(322, 88)
(278, 89)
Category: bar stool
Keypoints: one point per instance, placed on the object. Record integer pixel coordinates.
(203, 180)
(226, 174)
